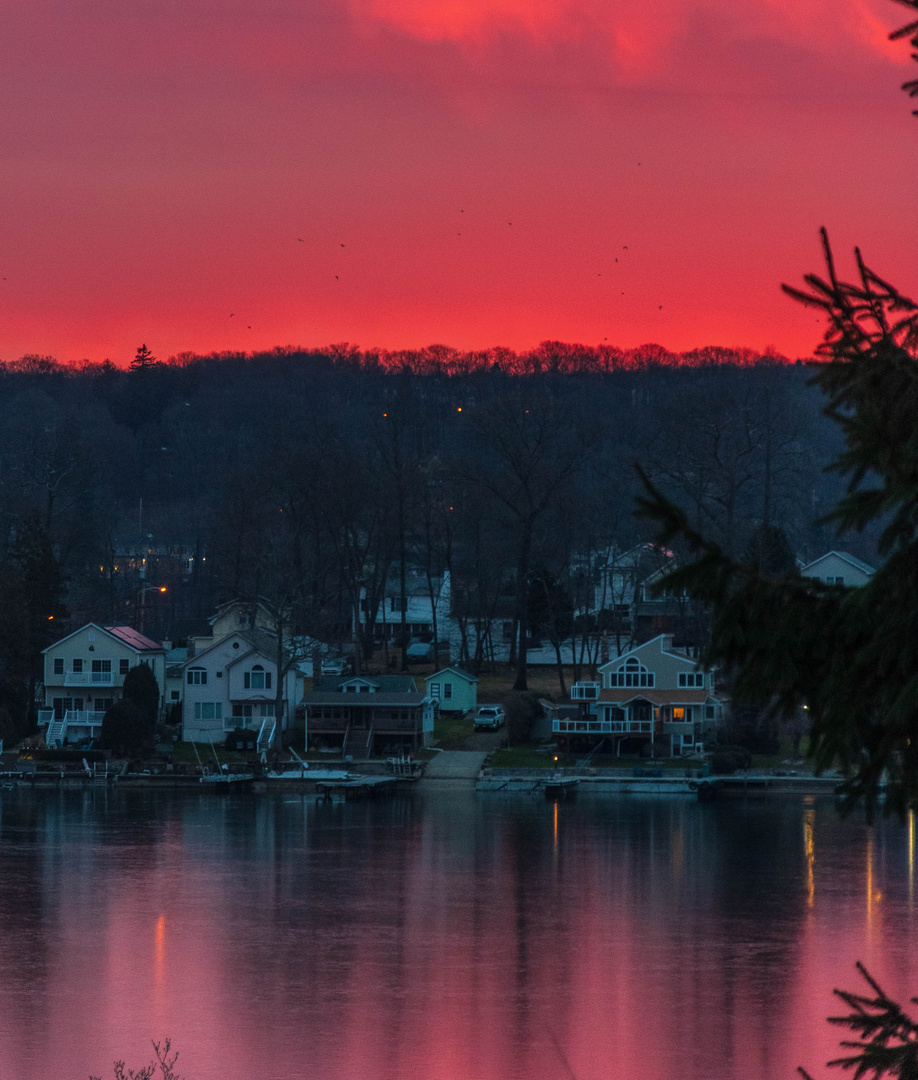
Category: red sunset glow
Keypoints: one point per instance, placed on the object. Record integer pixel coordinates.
(394, 173)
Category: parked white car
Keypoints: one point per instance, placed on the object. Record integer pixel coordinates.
(489, 717)
(336, 665)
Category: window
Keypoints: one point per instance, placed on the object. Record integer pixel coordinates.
(77, 665)
(124, 666)
(632, 673)
(398, 603)
(197, 676)
(59, 665)
(507, 631)
(435, 691)
(174, 695)
(208, 710)
(709, 712)
(242, 711)
(103, 704)
(835, 581)
(447, 690)
(257, 679)
(691, 678)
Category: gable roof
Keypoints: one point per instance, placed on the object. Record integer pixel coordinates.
(845, 556)
(639, 648)
(455, 670)
(623, 696)
(132, 637)
(387, 684)
(125, 635)
(251, 640)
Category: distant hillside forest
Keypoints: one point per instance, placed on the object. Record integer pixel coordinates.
(315, 477)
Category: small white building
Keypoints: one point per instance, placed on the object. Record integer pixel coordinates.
(838, 568)
(233, 684)
(84, 675)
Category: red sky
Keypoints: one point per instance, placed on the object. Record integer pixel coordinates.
(185, 174)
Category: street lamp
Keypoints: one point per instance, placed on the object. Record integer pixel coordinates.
(143, 595)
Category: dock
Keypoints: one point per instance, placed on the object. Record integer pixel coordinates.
(354, 789)
(702, 788)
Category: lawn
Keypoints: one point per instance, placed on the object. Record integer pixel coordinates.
(451, 731)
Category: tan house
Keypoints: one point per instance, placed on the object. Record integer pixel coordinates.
(84, 674)
(652, 699)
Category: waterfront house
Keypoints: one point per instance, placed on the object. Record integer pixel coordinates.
(368, 715)
(233, 684)
(653, 699)
(84, 675)
(838, 568)
(452, 689)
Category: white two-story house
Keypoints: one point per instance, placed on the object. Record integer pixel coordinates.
(84, 674)
(653, 698)
(233, 684)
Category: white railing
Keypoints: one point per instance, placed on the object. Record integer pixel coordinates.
(89, 678)
(73, 718)
(266, 733)
(602, 727)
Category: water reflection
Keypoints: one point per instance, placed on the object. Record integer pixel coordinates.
(439, 935)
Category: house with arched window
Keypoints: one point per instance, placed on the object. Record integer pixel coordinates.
(233, 684)
(652, 699)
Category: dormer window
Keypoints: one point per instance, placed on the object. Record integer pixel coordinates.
(257, 679)
(632, 673)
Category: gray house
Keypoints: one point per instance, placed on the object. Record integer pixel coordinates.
(368, 715)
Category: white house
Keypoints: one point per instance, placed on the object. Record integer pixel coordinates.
(242, 615)
(838, 568)
(651, 697)
(421, 611)
(84, 675)
(233, 684)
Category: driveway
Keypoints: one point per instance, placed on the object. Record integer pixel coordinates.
(455, 765)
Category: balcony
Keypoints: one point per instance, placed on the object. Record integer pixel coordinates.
(602, 727)
(89, 678)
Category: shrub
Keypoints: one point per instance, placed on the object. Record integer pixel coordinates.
(727, 759)
(126, 732)
(241, 739)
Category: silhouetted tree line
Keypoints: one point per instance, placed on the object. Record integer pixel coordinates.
(317, 479)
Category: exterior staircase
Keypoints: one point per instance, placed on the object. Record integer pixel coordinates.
(266, 733)
(56, 730)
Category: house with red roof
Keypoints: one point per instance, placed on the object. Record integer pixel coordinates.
(84, 674)
(652, 699)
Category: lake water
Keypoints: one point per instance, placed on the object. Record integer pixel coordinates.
(440, 936)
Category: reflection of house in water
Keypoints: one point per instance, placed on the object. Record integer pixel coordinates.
(652, 699)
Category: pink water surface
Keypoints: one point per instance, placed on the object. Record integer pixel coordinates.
(442, 936)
